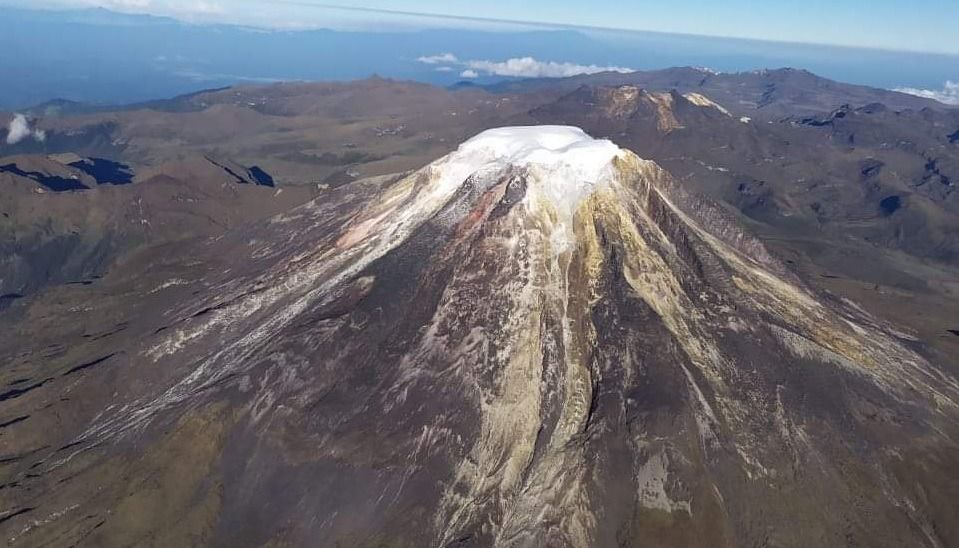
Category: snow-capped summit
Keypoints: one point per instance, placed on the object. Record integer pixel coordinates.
(562, 165)
(548, 147)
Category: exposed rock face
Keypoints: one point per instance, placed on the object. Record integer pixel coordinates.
(538, 340)
(623, 107)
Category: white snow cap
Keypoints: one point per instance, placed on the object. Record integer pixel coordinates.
(549, 147)
(564, 163)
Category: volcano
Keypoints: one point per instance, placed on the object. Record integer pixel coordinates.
(538, 340)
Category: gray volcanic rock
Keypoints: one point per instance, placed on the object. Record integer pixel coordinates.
(538, 340)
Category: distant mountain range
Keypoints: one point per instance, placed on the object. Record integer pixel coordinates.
(72, 55)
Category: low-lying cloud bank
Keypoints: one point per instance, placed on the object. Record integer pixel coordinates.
(438, 59)
(528, 67)
(19, 129)
(948, 95)
(521, 67)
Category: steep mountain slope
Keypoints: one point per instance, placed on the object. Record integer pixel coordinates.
(539, 339)
(66, 219)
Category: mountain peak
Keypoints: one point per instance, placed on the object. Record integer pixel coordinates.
(551, 147)
(555, 167)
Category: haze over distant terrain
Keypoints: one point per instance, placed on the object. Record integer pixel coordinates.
(74, 55)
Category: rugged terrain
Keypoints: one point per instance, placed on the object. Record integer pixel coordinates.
(251, 316)
(67, 219)
(540, 339)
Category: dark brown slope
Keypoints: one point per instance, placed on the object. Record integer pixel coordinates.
(410, 363)
(61, 224)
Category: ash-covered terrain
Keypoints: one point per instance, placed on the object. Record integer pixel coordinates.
(355, 315)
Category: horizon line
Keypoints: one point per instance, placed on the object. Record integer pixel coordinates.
(574, 26)
(493, 20)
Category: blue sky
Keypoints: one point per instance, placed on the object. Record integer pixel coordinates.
(917, 25)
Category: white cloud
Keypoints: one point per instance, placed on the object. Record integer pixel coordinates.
(528, 67)
(523, 67)
(19, 129)
(443, 69)
(948, 95)
(443, 58)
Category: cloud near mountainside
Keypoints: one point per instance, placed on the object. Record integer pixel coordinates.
(447, 58)
(949, 94)
(530, 67)
(524, 67)
(19, 129)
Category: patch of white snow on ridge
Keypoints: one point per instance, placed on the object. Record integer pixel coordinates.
(701, 100)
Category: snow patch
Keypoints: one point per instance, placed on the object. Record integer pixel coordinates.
(564, 163)
(554, 148)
